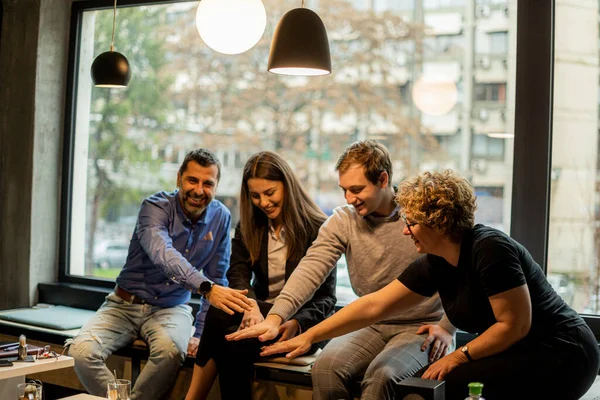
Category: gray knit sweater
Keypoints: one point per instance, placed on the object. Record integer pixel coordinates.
(376, 252)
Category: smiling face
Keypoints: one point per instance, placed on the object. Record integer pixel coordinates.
(426, 238)
(361, 193)
(197, 188)
(268, 197)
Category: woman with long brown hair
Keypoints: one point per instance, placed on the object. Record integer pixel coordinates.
(278, 223)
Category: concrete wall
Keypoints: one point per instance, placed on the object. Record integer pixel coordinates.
(33, 59)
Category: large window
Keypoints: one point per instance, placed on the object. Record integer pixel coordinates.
(418, 79)
(574, 234)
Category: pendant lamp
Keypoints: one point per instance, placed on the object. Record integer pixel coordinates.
(231, 26)
(300, 45)
(111, 69)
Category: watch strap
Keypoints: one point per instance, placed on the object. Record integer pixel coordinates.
(465, 350)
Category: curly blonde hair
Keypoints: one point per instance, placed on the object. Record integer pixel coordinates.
(442, 200)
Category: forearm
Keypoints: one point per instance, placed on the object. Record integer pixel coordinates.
(320, 306)
(321, 258)
(300, 287)
(153, 236)
(496, 339)
(174, 266)
(358, 314)
(367, 310)
(157, 244)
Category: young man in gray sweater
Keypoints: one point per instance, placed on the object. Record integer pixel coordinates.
(368, 230)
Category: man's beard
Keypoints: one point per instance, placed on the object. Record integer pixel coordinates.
(192, 209)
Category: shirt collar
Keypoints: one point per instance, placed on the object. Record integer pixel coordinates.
(272, 230)
(394, 215)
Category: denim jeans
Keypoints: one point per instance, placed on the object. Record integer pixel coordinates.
(117, 324)
(384, 353)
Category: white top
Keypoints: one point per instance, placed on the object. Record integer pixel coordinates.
(277, 259)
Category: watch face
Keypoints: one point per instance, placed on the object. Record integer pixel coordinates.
(205, 287)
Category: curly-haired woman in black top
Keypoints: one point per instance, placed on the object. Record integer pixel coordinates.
(530, 343)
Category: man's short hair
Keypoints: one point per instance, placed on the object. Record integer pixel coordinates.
(373, 156)
(204, 157)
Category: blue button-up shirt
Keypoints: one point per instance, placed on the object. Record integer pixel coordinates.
(169, 256)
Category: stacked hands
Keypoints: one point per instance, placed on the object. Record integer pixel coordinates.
(228, 300)
(255, 325)
(438, 341)
(235, 300)
(254, 318)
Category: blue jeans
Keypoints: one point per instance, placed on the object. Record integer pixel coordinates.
(384, 353)
(117, 324)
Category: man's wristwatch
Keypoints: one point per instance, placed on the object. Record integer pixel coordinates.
(205, 288)
(465, 351)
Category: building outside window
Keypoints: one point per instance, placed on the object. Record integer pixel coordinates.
(574, 230)
(490, 92)
(128, 144)
(498, 42)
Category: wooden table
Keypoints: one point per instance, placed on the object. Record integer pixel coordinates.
(11, 376)
(83, 396)
(20, 368)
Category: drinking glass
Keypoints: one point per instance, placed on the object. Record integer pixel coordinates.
(119, 389)
(29, 391)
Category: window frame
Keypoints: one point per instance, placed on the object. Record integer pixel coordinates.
(533, 130)
(77, 10)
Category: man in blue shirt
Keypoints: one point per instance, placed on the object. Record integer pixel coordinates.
(180, 245)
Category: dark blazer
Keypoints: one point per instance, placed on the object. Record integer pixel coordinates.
(241, 270)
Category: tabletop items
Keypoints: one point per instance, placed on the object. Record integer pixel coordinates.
(22, 349)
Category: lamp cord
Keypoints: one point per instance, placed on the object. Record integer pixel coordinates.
(112, 41)
(302, 3)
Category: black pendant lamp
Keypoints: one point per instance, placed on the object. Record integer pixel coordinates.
(300, 45)
(111, 68)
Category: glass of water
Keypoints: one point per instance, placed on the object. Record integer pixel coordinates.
(118, 389)
(29, 391)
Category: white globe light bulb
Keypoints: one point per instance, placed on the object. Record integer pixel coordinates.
(434, 95)
(231, 26)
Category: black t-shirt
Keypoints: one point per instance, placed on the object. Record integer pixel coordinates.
(490, 262)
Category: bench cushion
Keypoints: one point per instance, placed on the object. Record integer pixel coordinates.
(55, 317)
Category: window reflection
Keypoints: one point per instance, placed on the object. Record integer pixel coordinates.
(129, 143)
